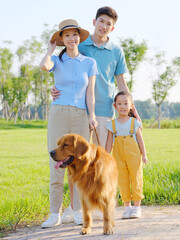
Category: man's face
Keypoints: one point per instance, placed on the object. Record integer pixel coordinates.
(103, 25)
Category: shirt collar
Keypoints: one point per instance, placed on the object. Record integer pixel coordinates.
(78, 58)
(108, 45)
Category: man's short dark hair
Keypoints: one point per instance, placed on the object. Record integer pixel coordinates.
(107, 11)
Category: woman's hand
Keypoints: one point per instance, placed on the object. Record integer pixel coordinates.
(55, 93)
(51, 46)
(92, 122)
(46, 64)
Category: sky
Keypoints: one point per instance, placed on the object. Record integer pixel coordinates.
(156, 21)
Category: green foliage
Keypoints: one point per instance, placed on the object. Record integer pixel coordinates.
(162, 85)
(25, 124)
(165, 123)
(24, 173)
(6, 60)
(134, 54)
(176, 63)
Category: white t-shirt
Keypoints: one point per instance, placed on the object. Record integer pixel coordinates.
(123, 129)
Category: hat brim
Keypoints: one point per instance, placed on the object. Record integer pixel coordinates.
(84, 34)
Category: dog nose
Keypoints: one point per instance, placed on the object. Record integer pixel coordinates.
(52, 153)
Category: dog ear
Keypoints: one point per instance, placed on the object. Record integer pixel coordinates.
(58, 141)
(81, 146)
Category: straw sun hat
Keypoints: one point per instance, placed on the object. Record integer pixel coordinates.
(68, 24)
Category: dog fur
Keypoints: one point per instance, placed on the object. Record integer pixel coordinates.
(95, 173)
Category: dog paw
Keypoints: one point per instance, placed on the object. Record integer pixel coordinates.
(107, 231)
(85, 231)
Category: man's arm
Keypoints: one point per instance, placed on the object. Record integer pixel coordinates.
(121, 82)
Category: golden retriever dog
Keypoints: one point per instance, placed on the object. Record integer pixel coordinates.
(95, 173)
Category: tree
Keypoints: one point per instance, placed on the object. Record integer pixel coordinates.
(162, 84)
(146, 109)
(134, 54)
(176, 64)
(5, 78)
(174, 110)
(21, 86)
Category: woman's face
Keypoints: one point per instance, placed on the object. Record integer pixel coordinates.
(70, 38)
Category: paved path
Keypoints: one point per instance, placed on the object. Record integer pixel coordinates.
(156, 223)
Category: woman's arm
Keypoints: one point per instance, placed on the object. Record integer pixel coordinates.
(90, 100)
(46, 64)
(141, 145)
(109, 141)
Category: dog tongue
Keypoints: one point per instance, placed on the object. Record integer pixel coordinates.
(58, 164)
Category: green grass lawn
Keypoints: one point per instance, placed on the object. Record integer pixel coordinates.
(24, 173)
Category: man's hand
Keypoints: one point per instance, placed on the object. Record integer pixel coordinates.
(134, 111)
(55, 93)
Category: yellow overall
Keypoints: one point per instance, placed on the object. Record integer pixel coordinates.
(128, 157)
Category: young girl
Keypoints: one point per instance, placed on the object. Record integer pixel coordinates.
(128, 147)
(74, 76)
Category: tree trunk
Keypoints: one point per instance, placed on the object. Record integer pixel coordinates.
(15, 118)
(159, 116)
(5, 110)
(131, 83)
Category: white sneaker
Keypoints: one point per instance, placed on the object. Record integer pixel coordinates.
(52, 221)
(78, 218)
(127, 212)
(136, 212)
(97, 215)
(67, 216)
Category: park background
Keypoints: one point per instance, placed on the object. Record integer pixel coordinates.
(24, 171)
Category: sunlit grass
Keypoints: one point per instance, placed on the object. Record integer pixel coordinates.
(24, 173)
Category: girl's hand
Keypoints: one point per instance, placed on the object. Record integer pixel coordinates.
(145, 160)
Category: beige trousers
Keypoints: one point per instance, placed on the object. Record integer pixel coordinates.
(63, 120)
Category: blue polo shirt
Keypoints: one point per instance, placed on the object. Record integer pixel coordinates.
(72, 77)
(110, 62)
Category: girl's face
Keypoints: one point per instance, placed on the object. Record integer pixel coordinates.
(123, 105)
(70, 38)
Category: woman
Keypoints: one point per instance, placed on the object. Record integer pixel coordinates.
(74, 76)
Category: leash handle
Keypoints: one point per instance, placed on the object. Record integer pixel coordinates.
(91, 133)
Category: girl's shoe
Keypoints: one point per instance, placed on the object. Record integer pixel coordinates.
(136, 212)
(127, 212)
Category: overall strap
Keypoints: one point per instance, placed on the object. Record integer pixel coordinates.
(132, 126)
(114, 126)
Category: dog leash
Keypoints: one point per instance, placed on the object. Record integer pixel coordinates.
(91, 132)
